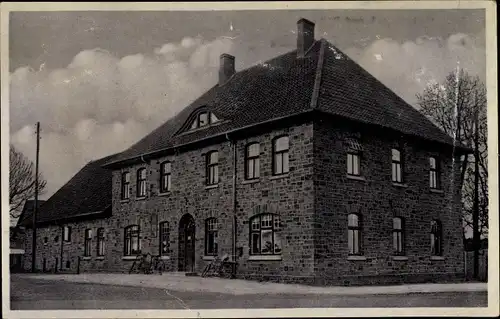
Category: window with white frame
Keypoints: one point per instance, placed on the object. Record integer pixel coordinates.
(165, 177)
(252, 164)
(397, 166)
(398, 236)
(434, 173)
(101, 242)
(141, 182)
(211, 233)
(67, 233)
(125, 191)
(87, 243)
(436, 238)
(164, 238)
(281, 155)
(132, 244)
(212, 168)
(265, 236)
(354, 234)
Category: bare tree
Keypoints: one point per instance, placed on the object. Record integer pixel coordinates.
(453, 105)
(21, 181)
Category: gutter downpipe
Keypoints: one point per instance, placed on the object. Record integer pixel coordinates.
(62, 247)
(233, 237)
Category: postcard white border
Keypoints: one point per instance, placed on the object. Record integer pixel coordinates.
(492, 89)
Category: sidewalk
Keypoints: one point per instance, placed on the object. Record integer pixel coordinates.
(179, 282)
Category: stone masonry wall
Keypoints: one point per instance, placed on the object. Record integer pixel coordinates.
(378, 201)
(72, 250)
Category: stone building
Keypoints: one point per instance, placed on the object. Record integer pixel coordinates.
(304, 168)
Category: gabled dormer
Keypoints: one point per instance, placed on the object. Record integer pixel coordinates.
(201, 118)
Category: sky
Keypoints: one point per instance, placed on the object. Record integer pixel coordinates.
(99, 81)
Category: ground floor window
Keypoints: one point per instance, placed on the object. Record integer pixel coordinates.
(132, 241)
(164, 239)
(100, 242)
(88, 241)
(211, 237)
(265, 235)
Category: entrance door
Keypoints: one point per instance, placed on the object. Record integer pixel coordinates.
(187, 243)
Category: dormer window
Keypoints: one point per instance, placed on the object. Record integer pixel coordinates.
(204, 119)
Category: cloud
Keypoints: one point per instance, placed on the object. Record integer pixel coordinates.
(408, 67)
(101, 104)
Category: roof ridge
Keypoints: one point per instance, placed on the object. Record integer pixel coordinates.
(319, 72)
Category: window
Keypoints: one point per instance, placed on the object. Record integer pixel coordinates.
(88, 242)
(67, 233)
(353, 157)
(354, 234)
(100, 242)
(204, 119)
(398, 235)
(434, 173)
(165, 177)
(280, 155)
(211, 237)
(125, 185)
(436, 238)
(212, 168)
(132, 243)
(397, 174)
(141, 182)
(45, 240)
(252, 166)
(265, 235)
(56, 239)
(164, 239)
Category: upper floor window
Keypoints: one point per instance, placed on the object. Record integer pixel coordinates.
(434, 173)
(265, 236)
(164, 239)
(211, 237)
(67, 233)
(353, 157)
(141, 182)
(87, 242)
(165, 177)
(132, 245)
(45, 240)
(280, 155)
(212, 168)
(125, 191)
(203, 119)
(100, 242)
(252, 164)
(398, 235)
(354, 234)
(397, 166)
(436, 238)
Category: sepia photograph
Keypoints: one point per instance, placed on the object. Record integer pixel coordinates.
(169, 160)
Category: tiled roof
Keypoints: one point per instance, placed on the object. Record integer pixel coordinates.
(86, 193)
(324, 80)
(27, 212)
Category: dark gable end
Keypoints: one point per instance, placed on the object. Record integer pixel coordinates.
(319, 78)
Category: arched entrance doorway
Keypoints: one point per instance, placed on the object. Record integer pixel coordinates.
(187, 230)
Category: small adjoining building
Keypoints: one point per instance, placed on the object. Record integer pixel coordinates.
(304, 168)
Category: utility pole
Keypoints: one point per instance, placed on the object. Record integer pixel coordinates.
(35, 208)
(475, 213)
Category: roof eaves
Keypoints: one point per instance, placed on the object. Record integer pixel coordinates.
(208, 137)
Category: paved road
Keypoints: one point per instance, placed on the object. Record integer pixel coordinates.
(31, 294)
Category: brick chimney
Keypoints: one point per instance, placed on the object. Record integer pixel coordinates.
(305, 36)
(226, 69)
